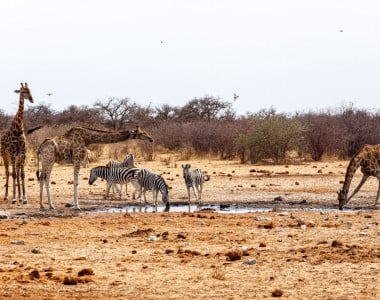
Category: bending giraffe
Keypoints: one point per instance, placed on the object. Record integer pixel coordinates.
(368, 159)
(13, 148)
(71, 148)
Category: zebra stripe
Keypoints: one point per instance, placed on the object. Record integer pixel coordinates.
(114, 176)
(194, 180)
(149, 180)
(128, 162)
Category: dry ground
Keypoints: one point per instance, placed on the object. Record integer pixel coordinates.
(301, 247)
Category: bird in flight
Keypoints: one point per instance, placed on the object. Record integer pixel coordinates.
(235, 97)
(50, 94)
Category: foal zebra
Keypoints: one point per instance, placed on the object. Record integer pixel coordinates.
(128, 162)
(194, 179)
(154, 182)
(114, 176)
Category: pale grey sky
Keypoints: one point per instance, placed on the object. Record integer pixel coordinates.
(293, 55)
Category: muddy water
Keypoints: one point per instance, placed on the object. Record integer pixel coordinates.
(219, 208)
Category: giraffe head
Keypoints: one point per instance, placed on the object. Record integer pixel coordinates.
(342, 197)
(140, 134)
(24, 92)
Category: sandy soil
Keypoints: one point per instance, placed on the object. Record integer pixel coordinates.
(300, 247)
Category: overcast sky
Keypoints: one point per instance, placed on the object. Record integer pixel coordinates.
(292, 55)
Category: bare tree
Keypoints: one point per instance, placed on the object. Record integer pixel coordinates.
(166, 112)
(117, 112)
(207, 108)
(79, 115)
(39, 114)
(319, 133)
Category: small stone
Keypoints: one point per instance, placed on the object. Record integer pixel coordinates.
(20, 242)
(283, 214)
(250, 261)
(303, 227)
(363, 233)
(266, 219)
(36, 250)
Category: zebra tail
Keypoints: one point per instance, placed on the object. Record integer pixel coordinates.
(207, 177)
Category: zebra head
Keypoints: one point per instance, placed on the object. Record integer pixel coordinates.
(186, 169)
(93, 175)
(165, 194)
(129, 160)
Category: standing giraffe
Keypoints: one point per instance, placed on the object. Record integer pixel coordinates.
(71, 148)
(368, 158)
(13, 147)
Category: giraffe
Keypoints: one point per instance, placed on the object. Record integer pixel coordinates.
(71, 148)
(13, 148)
(368, 158)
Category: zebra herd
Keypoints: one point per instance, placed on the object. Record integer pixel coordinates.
(118, 173)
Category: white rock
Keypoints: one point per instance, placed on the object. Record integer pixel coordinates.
(152, 238)
(250, 261)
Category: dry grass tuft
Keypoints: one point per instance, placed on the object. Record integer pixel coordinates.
(219, 273)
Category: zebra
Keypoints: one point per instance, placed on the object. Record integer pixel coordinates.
(128, 162)
(194, 179)
(149, 180)
(113, 176)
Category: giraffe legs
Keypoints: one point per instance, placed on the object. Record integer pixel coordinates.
(45, 180)
(378, 192)
(6, 165)
(14, 177)
(21, 173)
(364, 179)
(76, 176)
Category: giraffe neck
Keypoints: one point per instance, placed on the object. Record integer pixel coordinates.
(17, 126)
(351, 169)
(92, 136)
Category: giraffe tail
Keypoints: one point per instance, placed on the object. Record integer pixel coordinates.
(29, 131)
(38, 166)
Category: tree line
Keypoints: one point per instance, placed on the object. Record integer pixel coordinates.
(209, 125)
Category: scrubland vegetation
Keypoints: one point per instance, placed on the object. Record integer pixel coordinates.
(209, 126)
